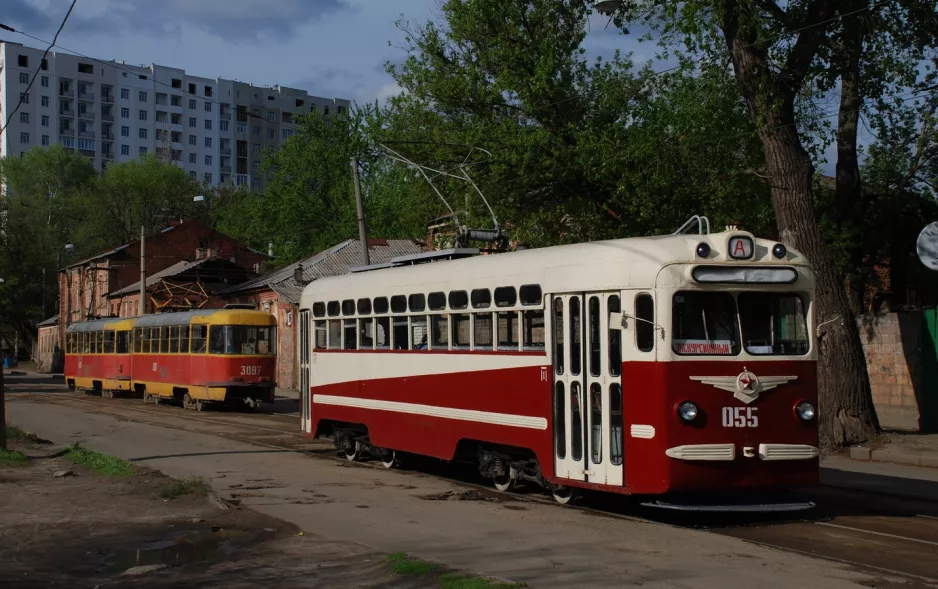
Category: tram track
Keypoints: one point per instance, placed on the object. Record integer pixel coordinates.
(896, 537)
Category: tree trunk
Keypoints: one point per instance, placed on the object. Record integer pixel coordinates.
(846, 410)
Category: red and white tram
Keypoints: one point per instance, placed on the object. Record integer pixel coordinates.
(677, 364)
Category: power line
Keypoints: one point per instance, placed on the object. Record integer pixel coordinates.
(39, 68)
(155, 81)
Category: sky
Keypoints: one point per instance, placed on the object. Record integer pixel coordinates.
(331, 48)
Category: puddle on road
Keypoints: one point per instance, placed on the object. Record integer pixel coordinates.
(178, 549)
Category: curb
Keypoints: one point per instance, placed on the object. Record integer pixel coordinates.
(865, 454)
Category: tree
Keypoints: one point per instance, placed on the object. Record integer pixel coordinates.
(781, 53)
(144, 192)
(40, 209)
(309, 204)
(580, 150)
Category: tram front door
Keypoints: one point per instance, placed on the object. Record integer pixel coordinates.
(587, 395)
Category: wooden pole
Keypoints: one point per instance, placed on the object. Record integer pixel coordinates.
(362, 232)
(143, 272)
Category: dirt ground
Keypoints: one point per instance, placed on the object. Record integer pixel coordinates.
(91, 530)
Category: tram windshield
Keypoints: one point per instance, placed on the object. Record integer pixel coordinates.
(242, 340)
(708, 324)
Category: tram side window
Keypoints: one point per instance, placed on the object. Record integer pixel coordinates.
(98, 342)
(108, 342)
(174, 339)
(506, 296)
(482, 326)
(138, 340)
(216, 339)
(645, 323)
(123, 342)
(458, 300)
(530, 294)
(184, 339)
(320, 330)
(381, 305)
(399, 333)
(199, 335)
(594, 337)
(164, 339)
(576, 420)
(596, 423)
(348, 307)
(416, 303)
(461, 332)
(351, 340)
(481, 298)
(333, 308)
(508, 330)
(614, 305)
(364, 306)
(534, 330)
(86, 342)
(440, 329)
(319, 309)
(436, 301)
(418, 332)
(154, 340)
(383, 332)
(335, 334)
(366, 333)
(399, 304)
(557, 335)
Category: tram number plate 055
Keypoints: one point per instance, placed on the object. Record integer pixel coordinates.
(740, 417)
(250, 370)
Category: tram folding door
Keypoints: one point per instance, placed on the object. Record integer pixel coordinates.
(587, 362)
(305, 333)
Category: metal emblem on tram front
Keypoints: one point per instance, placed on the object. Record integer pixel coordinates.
(746, 386)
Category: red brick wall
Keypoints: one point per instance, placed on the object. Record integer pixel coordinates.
(893, 344)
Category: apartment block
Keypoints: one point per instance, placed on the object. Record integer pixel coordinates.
(217, 130)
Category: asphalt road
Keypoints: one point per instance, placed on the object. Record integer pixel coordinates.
(855, 537)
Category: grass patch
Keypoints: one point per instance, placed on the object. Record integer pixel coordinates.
(14, 432)
(460, 581)
(12, 458)
(102, 463)
(176, 489)
(403, 564)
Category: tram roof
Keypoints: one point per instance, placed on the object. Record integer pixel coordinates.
(598, 265)
(199, 316)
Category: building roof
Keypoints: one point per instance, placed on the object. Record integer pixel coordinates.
(213, 269)
(51, 321)
(334, 261)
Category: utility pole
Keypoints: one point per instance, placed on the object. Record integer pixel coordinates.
(143, 272)
(3, 405)
(362, 232)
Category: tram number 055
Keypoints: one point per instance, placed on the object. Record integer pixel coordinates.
(250, 370)
(740, 417)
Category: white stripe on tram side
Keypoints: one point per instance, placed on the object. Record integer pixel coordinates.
(506, 419)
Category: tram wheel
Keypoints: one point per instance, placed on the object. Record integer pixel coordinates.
(354, 452)
(156, 399)
(186, 401)
(388, 458)
(107, 393)
(563, 495)
(199, 405)
(505, 482)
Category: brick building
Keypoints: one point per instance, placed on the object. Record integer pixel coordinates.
(86, 286)
(279, 292)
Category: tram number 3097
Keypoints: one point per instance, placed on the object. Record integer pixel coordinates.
(249, 370)
(740, 417)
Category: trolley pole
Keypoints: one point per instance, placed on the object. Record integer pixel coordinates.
(143, 272)
(362, 232)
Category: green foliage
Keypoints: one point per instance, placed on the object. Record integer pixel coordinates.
(14, 432)
(580, 151)
(404, 564)
(309, 204)
(143, 192)
(102, 463)
(9, 458)
(178, 488)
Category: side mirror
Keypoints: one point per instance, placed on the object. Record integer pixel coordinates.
(617, 321)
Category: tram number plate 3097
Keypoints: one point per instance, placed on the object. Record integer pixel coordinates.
(740, 417)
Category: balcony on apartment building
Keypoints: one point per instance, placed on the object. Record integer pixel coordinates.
(107, 136)
(225, 115)
(224, 150)
(87, 134)
(87, 96)
(107, 98)
(68, 132)
(66, 112)
(225, 169)
(107, 117)
(87, 113)
(66, 91)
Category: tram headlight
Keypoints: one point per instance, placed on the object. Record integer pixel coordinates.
(805, 411)
(779, 251)
(687, 411)
(703, 250)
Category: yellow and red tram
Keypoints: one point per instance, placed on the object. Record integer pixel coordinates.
(194, 357)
